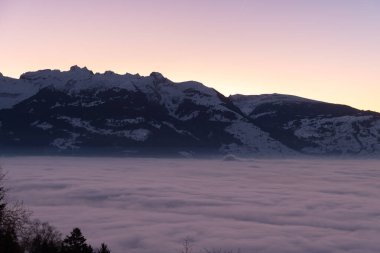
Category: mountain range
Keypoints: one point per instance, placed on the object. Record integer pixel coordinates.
(81, 112)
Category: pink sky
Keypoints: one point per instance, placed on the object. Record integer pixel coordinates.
(326, 49)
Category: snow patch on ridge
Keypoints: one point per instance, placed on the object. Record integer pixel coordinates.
(248, 103)
(140, 134)
(13, 91)
(42, 125)
(66, 143)
(254, 140)
(346, 134)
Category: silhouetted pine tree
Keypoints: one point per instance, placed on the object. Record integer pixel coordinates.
(103, 249)
(76, 243)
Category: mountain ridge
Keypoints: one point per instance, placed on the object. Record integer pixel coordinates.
(77, 110)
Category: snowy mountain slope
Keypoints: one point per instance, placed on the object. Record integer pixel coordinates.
(253, 140)
(249, 103)
(345, 134)
(78, 80)
(313, 127)
(13, 91)
(81, 111)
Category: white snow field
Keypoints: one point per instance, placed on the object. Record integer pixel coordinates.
(140, 205)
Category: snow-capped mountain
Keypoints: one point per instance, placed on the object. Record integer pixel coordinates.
(79, 111)
(313, 127)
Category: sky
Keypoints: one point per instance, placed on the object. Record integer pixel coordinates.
(324, 49)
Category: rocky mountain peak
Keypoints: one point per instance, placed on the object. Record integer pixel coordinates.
(157, 76)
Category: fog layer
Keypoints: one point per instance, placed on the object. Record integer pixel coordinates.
(151, 205)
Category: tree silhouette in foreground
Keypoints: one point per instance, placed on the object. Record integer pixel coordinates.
(103, 249)
(9, 222)
(20, 234)
(187, 245)
(76, 243)
(42, 238)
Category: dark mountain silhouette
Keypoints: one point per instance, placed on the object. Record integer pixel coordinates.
(77, 112)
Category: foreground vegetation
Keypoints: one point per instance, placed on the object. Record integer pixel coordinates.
(19, 233)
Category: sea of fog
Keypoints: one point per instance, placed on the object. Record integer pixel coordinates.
(140, 205)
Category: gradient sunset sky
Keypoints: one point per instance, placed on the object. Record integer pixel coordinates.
(322, 49)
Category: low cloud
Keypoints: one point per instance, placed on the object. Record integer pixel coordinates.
(151, 205)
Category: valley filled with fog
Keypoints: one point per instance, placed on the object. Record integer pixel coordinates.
(146, 205)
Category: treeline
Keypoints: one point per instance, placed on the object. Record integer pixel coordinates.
(20, 234)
